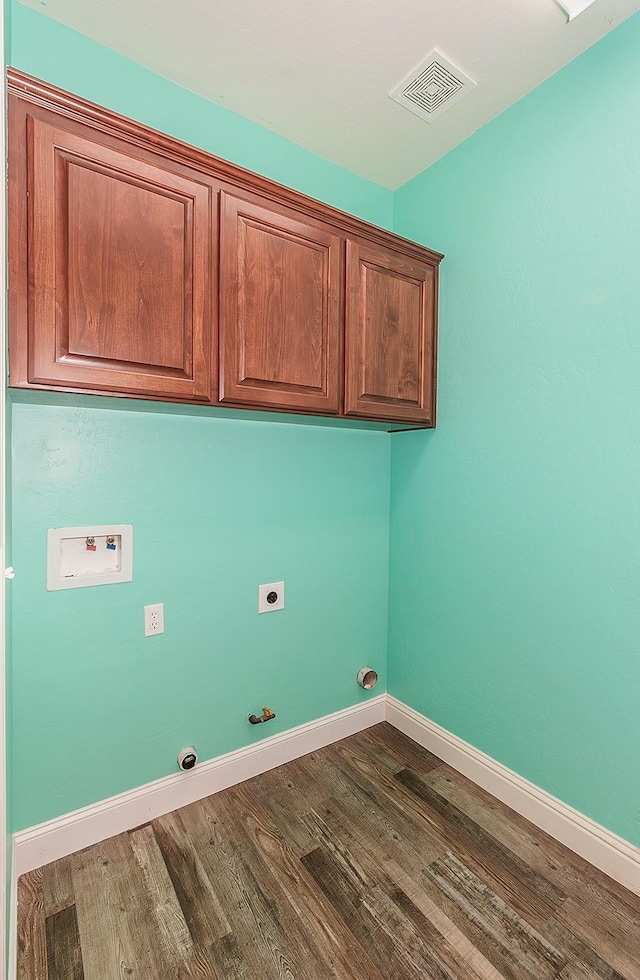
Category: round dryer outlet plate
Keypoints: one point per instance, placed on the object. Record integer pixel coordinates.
(270, 597)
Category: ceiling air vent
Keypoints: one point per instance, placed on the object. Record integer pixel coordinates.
(433, 87)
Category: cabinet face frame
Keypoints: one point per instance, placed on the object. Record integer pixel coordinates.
(266, 253)
(375, 385)
(45, 151)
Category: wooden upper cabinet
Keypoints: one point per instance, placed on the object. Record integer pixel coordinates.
(280, 308)
(118, 263)
(390, 334)
(141, 266)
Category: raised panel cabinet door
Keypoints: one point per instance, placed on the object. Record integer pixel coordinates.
(118, 265)
(280, 308)
(390, 335)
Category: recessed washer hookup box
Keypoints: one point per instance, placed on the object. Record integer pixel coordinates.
(95, 554)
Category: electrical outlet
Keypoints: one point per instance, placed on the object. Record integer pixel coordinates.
(270, 597)
(154, 619)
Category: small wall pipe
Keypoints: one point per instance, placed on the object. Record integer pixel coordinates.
(267, 715)
(187, 758)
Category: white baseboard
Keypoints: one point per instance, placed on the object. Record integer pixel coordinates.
(616, 857)
(56, 838)
(12, 939)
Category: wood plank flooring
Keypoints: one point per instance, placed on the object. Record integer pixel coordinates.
(368, 860)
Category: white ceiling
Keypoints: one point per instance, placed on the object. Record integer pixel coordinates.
(319, 71)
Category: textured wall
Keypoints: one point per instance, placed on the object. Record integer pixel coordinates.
(217, 507)
(515, 526)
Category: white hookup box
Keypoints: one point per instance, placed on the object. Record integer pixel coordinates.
(95, 554)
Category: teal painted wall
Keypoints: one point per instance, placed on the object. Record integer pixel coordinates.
(514, 532)
(58, 55)
(515, 526)
(217, 506)
(6, 16)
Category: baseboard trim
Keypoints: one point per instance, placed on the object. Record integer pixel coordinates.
(56, 838)
(12, 939)
(616, 857)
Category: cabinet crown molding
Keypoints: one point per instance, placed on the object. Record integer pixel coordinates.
(66, 103)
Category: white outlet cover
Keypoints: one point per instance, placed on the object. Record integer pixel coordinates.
(266, 602)
(154, 619)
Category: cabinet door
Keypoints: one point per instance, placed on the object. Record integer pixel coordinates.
(390, 335)
(280, 308)
(119, 268)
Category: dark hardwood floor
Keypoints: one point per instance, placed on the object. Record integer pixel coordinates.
(368, 860)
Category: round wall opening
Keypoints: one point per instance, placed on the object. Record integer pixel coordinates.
(367, 678)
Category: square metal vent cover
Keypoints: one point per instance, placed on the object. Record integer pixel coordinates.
(433, 87)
